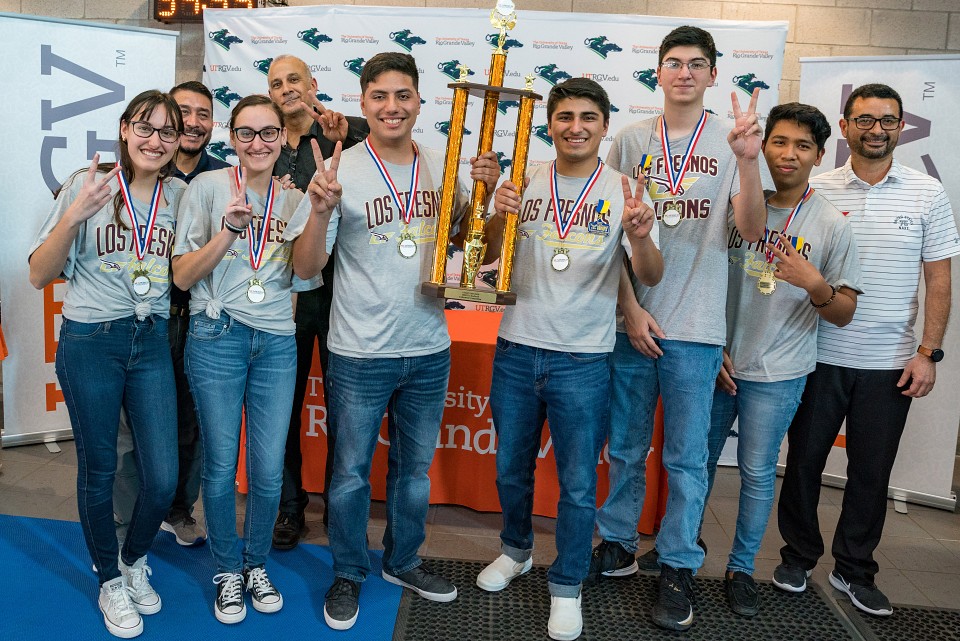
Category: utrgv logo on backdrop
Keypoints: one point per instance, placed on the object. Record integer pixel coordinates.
(503, 105)
(444, 127)
(551, 73)
(601, 46)
(540, 131)
(322, 97)
(450, 69)
(748, 82)
(223, 68)
(224, 38)
(313, 37)
(225, 96)
(504, 162)
(405, 40)
(508, 44)
(647, 78)
(220, 150)
(354, 66)
(263, 66)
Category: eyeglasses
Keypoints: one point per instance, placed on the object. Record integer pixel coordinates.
(145, 130)
(246, 134)
(693, 65)
(887, 123)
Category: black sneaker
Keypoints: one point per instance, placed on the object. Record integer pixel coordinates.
(431, 587)
(868, 598)
(649, 561)
(791, 578)
(263, 594)
(742, 593)
(342, 604)
(610, 559)
(288, 530)
(674, 607)
(229, 607)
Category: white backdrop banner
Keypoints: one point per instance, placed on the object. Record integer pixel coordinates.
(618, 51)
(68, 82)
(930, 89)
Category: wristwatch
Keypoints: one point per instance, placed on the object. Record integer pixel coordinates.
(935, 355)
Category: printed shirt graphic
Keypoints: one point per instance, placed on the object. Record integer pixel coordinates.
(774, 338)
(573, 310)
(100, 266)
(378, 310)
(899, 222)
(689, 301)
(201, 218)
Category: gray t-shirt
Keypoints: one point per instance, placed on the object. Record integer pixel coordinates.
(226, 287)
(688, 303)
(100, 266)
(774, 338)
(570, 310)
(378, 310)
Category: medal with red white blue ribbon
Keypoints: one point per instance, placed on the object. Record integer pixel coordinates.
(256, 242)
(767, 283)
(407, 244)
(141, 238)
(671, 215)
(561, 256)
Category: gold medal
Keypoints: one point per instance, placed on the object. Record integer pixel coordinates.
(767, 283)
(560, 260)
(141, 281)
(407, 245)
(671, 216)
(256, 293)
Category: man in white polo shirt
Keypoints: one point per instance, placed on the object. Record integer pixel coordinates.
(868, 371)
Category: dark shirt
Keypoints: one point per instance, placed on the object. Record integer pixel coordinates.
(207, 162)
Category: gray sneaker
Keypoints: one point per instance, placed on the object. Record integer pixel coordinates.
(431, 587)
(868, 598)
(188, 532)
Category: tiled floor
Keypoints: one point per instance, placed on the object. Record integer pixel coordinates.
(919, 555)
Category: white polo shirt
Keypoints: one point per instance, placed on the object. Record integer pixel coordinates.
(899, 223)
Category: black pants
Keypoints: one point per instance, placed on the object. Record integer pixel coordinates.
(875, 411)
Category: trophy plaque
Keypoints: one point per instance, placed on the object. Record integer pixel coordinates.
(503, 17)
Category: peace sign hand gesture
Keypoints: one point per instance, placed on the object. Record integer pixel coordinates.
(333, 124)
(94, 192)
(238, 213)
(792, 267)
(324, 190)
(637, 215)
(745, 137)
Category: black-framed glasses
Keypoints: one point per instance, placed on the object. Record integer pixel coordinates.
(866, 123)
(145, 130)
(693, 65)
(246, 134)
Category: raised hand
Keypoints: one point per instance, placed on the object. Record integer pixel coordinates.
(94, 192)
(745, 137)
(324, 190)
(333, 124)
(791, 266)
(238, 213)
(637, 215)
(486, 169)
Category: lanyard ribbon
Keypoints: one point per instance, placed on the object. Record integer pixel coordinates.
(793, 214)
(406, 211)
(141, 239)
(257, 242)
(675, 178)
(563, 226)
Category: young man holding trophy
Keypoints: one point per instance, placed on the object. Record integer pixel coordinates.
(389, 346)
(553, 345)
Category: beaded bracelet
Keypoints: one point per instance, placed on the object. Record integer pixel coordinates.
(828, 301)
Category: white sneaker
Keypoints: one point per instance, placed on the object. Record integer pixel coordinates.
(145, 598)
(501, 572)
(119, 614)
(229, 606)
(566, 622)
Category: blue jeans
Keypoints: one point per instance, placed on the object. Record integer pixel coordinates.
(412, 391)
(571, 391)
(765, 411)
(101, 367)
(684, 377)
(233, 367)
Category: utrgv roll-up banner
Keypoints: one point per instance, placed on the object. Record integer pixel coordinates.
(618, 51)
(68, 84)
(930, 88)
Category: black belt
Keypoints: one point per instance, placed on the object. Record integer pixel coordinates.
(180, 310)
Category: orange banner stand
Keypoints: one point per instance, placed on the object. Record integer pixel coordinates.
(3, 345)
(464, 468)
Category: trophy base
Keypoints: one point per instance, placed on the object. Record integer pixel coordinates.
(450, 292)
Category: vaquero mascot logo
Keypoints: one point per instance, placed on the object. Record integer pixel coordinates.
(551, 73)
(508, 43)
(647, 78)
(503, 161)
(220, 150)
(601, 46)
(444, 127)
(540, 132)
(313, 37)
(748, 82)
(503, 105)
(224, 38)
(406, 40)
(322, 97)
(354, 66)
(225, 96)
(263, 66)
(451, 70)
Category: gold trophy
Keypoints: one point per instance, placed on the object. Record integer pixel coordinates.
(503, 17)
